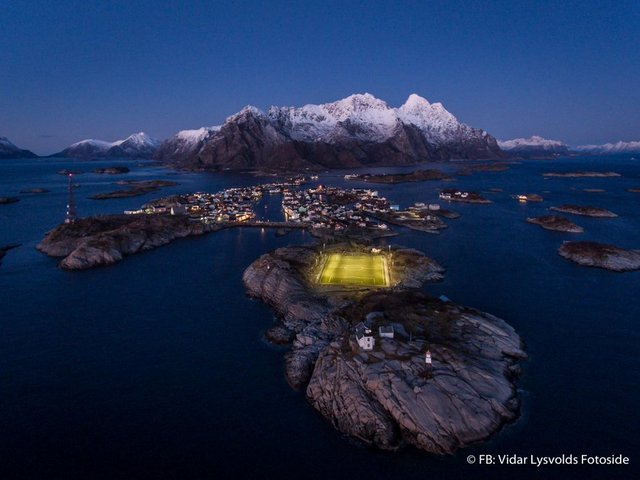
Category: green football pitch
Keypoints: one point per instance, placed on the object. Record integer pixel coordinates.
(359, 269)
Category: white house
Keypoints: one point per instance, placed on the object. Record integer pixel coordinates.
(366, 342)
(385, 331)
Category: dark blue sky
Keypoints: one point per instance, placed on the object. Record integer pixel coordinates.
(76, 69)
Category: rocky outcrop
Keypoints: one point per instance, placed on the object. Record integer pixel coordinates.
(392, 178)
(389, 397)
(556, 223)
(8, 200)
(35, 190)
(135, 189)
(104, 240)
(115, 170)
(359, 130)
(601, 255)
(585, 211)
(581, 174)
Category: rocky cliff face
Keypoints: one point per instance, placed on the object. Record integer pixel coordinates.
(389, 397)
(356, 131)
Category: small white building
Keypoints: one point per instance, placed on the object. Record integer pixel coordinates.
(385, 331)
(427, 358)
(366, 342)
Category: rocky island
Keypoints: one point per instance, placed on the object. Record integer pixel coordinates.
(601, 255)
(390, 396)
(528, 197)
(556, 223)
(393, 178)
(112, 170)
(585, 211)
(103, 240)
(35, 190)
(581, 174)
(453, 195)
(136, 188)
(8, 200)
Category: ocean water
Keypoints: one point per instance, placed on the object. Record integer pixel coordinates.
(157, 368)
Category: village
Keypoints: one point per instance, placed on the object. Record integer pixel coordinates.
(324, 210)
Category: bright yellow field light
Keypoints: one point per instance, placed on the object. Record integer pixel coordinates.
(357, 269)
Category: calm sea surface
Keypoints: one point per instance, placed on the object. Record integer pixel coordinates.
(157, 368)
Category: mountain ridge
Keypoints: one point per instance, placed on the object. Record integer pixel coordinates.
(355, 131)
(10, 150)
(137, 145)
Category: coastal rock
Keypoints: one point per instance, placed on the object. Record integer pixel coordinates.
(453, 195)
(388, 397)
(585, 211)
(529, 197)
(556, 223)
(393, 178)
(103, 240)
(35, 190)
(601, 255)
(136, 189)
(112, 170)
(581, 174)
(8, 200)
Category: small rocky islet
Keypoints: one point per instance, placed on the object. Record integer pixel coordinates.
(601, 255)
(556, 223)
(586, 211)
(8, 200)
(585, 174)
(35, 190)
(389, 397)
(134, 189)
(114, 170)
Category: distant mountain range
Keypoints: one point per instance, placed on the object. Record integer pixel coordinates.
(360, 130)
(610, 148)
(355, 131)
(138, 145)
(534, 146)
(9, 150)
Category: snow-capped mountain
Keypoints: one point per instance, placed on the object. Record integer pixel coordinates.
(534, 146)
(138, 145)
(610, 148)
(355, 131)
(185, 143)
(9, 150)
